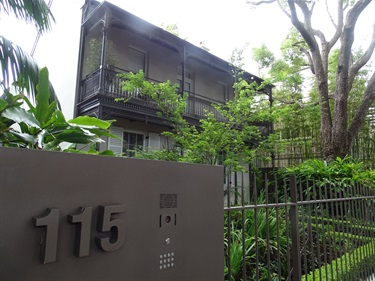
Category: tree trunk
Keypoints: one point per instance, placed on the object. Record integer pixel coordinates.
(336, 137)
(337, 133)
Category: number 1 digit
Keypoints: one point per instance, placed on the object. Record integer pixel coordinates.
(50, 221)
(82, 239)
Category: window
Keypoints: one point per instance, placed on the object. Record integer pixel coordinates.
(187, 87)
(131, 143)
(137, 60)
(127, 143)
(222, 91)
(189, 80)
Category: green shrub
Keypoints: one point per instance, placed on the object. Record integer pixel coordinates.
(348, 267)
(340, 172)
(265, 235)
(43, 125)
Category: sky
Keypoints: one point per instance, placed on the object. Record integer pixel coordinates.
(222, 24)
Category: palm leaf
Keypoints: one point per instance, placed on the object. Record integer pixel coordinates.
(32, 11)
(17, 65)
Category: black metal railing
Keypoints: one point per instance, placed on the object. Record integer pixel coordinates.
(90, 85)
(297, 229)
(197, 106)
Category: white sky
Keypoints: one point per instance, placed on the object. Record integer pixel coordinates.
(222, 24)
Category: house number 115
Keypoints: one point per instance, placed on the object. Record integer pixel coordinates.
(106, 224)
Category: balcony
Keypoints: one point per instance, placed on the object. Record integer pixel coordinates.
(196, 108)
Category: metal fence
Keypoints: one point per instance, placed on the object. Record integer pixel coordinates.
(297, 229)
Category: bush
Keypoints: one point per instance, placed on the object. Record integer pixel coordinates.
(340, 172)
(350, 266)
(265, 235)
(43, 125)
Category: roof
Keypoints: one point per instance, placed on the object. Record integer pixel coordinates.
(124, 19)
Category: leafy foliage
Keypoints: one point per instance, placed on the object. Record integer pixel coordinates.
(333, 71)
(15, 63)
(229, 140)
(342, 269)
(296, 110)
(43, 126)
(36, 12)
(263, 56)
(340, 171)
(263, 236)
(93, 58)
(171, 28)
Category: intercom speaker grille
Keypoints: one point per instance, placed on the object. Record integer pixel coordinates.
(168, 201)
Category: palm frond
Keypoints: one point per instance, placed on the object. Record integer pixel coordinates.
(31, 11)
(18, 66)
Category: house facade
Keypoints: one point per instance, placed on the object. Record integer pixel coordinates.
(114, 41)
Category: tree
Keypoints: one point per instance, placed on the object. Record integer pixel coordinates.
(338, 131)
(231, 142)
(16, 64)
(264, 57)
(171, 28)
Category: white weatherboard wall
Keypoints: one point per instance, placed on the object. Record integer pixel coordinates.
(153, 142)
(116, 144)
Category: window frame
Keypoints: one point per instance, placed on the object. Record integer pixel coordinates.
(189, 79)
(130, 153)
(145, 62)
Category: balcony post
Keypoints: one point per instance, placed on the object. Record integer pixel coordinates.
(103, 53)
(183, 71)
(79, 90)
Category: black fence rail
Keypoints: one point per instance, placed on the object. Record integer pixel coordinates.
(297, 229)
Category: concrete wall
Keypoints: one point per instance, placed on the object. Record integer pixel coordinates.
(67, 216)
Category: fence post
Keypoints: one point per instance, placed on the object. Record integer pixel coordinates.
(293, 214)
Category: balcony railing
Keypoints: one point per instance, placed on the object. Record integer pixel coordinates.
(197, 106)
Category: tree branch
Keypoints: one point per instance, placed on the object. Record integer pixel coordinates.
(308, 55)
(299, 103)
(339, 26)
(257, 3)
(346, 5)
(329, 14)
(321, 36)
(361, 113)
(347, 39)
(301, 27)
(289, 101)
(363, 60)
(283, 10)
(307, 15)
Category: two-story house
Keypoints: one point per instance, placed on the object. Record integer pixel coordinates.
(115, 41)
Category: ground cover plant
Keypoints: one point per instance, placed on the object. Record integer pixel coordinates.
(346, 268)
(265, 240)
(340, 223)
(335, 223)
(341, 172)
(261, 231)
